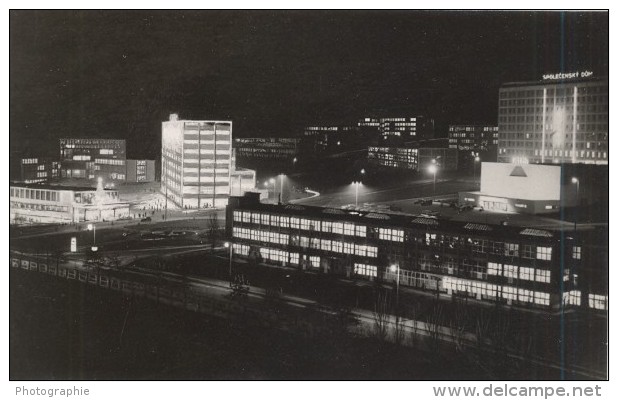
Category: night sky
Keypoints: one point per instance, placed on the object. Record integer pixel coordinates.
(119, 74)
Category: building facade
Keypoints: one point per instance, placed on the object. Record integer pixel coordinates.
(140, 171)
(38, 203)
(474, 140)
(416, 159)
(38, 170)
(93, 159)
(492, 263)
(196, 162)
(562, 119)
(405, 129)
(266, 148)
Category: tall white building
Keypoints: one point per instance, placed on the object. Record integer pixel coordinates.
(196, 162)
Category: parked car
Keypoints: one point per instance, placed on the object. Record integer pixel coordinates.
(147, 219)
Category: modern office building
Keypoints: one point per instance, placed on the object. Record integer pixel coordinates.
(561, 119)
(266, 148)
(43, 203)
(93, 159)
(480, 140)
(38, 170)
(196, 162)
(140, 171)
(511, 265)
(405, 129)
(412, 158)
(537, 188)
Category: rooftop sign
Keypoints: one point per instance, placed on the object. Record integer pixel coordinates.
(567, 75)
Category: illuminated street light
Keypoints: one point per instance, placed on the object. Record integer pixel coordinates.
(476, 159)
(356, 185)
(576, 182)
(395, 268)
(229, 245)
(433, 169)
(363, 171)
(93, 228)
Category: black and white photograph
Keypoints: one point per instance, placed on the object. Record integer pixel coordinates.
(309, 195)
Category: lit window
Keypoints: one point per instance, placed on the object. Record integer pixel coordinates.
(577, 252)
(315, 261)
(494, 269)
(543, 253)
(366, 270)
(597, 301)
(294, 223)
(543, 276)
(361, 231)
(337, 227)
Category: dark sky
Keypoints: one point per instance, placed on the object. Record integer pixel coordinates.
(119, 74)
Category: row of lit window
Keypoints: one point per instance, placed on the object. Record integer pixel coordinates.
(366, 270)
(35, 194)
(344, 228)
(489, 247)
(306, 242)
(513, 271)
(489, 289)
(108, 161)
(395, 235)
(38, 207)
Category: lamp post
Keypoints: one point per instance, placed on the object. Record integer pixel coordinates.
(433, 168)
(576, 182)
(396, 268)
(229, 245)
(281, 176)
(356, 185)
(93, 228)
(272, 182)
(476, 159)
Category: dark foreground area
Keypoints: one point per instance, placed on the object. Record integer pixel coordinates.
(67, 330)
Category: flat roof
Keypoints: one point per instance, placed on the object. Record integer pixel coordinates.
(530, 226)
(47, 186)
(554, 82)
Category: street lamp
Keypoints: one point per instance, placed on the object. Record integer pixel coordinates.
(433, 169)
(281, 176)
(229, 245)
(363, 171)
(576, 182)
(476, 159)
(356, 185)
(395, 268)
(93, 228)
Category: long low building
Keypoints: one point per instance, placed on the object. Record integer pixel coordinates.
(529, 267)
(42, 203)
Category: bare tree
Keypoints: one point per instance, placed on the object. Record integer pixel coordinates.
(459, 323)
(380, 314)
(501, 339)
(434, 321)
(213, 230)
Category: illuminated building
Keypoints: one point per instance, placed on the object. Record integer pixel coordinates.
(561, 119)
(536, 189)
(511, 265)
(93, 158)
(38, 170)
(266, 148)
(42, 203)
(481, 140)
(140, 171)
(196, 162)
(405, 129)
(414, 158)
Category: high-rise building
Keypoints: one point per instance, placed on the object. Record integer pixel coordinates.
(93, 158)
(196, 162)
(140, 171)
(561, 119)
(38, 170)
(406, 129)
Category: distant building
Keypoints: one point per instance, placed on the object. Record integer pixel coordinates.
(494, 264)
(140, 171)
(38, 170)
(404, 129)
(266, 148)
(536, 189)
(561, 119)
(242, 180)
(93, 158)
(480, 140)
(196, 162)
(417, 158)
(41, 203)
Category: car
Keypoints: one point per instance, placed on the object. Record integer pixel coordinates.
(147, 219)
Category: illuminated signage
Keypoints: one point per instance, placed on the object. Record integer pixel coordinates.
(567, 75)
(73, 245)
